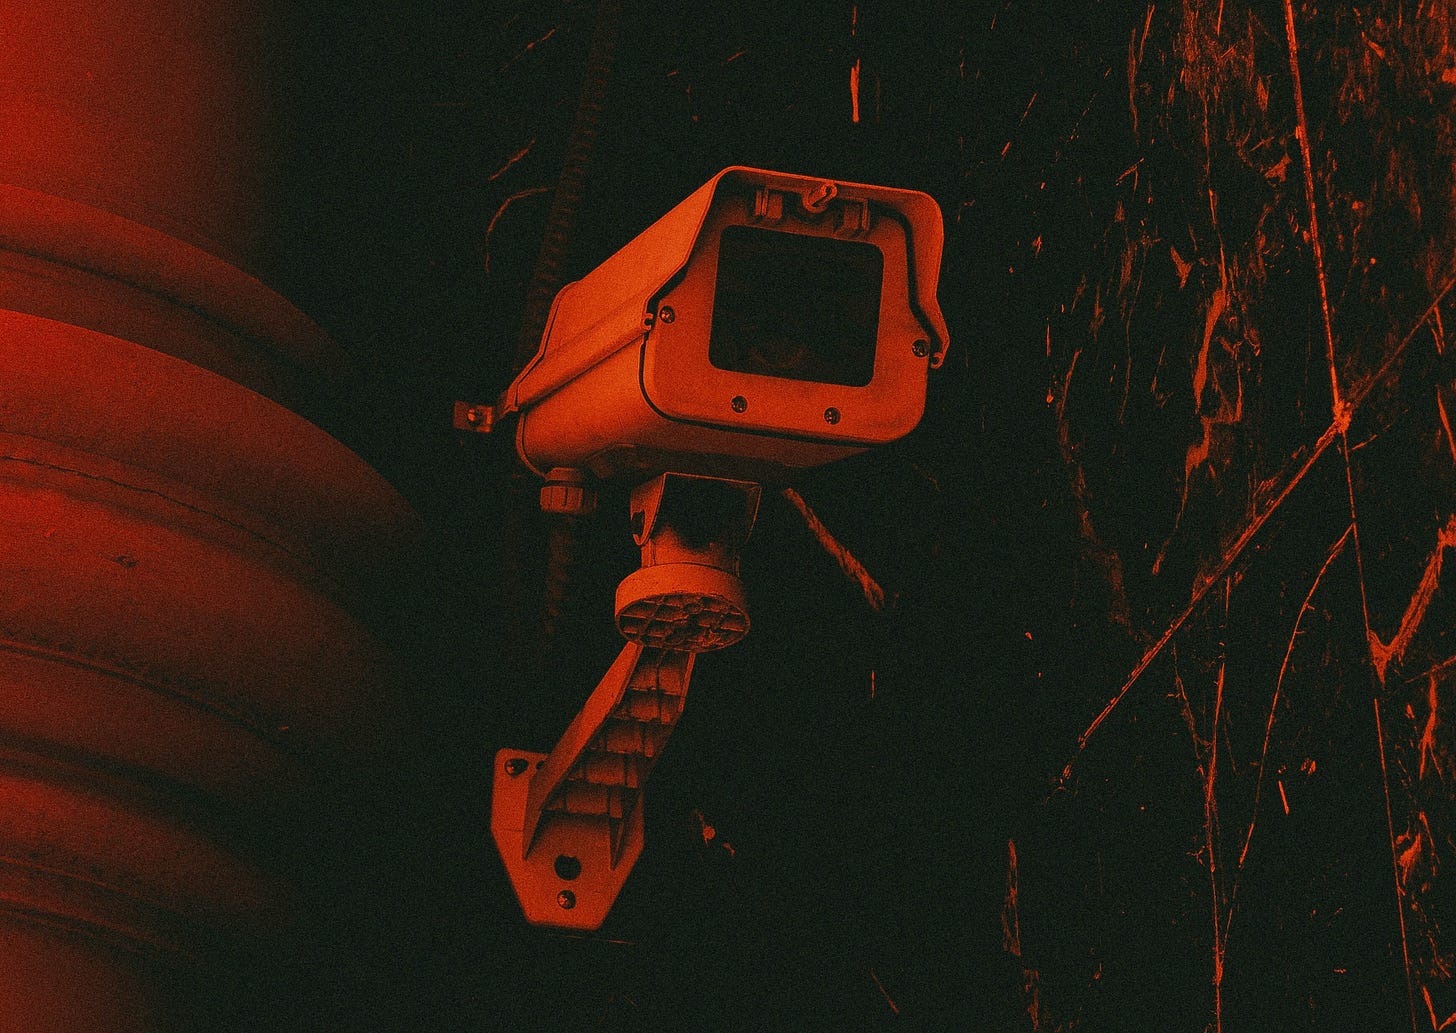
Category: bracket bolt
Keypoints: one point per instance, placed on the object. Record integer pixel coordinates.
(666, 314)
(516, 766)
(921, 348)
(831, 416)
(566, 899)
(739, 403)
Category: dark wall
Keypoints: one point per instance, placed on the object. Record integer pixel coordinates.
(1173, 462)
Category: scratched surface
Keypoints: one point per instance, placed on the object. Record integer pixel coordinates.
(1150, 726)
(1256, 363)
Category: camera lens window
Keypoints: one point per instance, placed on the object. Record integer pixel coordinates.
(796, 306)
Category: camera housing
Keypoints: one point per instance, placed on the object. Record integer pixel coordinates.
(767, 323)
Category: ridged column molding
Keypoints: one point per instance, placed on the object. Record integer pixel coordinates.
(186, 671)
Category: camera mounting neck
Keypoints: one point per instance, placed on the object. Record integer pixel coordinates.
(568, 824)
(687, 594)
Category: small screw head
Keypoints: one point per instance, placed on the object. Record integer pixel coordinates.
(831, 415)
(473, 415)
(666, 314)
(516, 766)
(739, 403)
(921, 348)
(566, 899)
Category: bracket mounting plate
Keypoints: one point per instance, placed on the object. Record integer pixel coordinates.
(567, 879)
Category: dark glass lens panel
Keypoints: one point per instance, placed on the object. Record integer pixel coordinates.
(798, 307)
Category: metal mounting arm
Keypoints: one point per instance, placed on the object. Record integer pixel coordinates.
(568, 824)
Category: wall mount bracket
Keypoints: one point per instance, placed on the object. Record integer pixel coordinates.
(568, 824)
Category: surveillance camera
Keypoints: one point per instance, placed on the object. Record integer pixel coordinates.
(767, 323)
